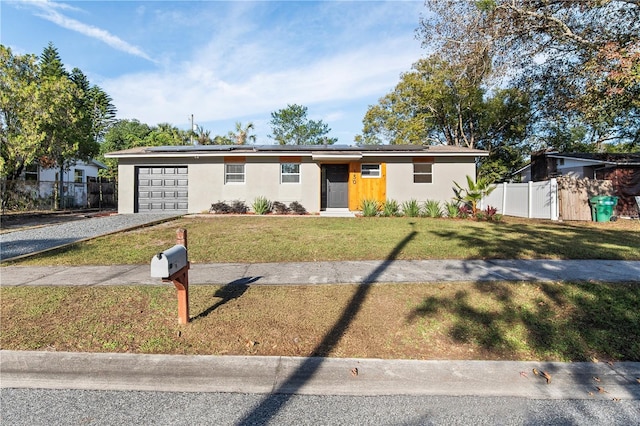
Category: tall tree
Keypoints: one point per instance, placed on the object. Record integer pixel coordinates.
(165, 134)
(290, 126)
(21, 135)
(121, 135)
(63, 119)
(242, 135)
(103, 112)
(202, 135)
(127, 134)
(50, 63)
(440, 102)
(579, 59)
(435, 103)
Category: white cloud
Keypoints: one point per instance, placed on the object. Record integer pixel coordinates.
(258, 58)
(49, 11)
(166, 96)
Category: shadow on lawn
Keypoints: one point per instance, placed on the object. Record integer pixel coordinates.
(553, 240)
(563, 321)
(227, 293)
(273, 403)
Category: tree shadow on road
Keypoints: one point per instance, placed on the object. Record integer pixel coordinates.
(273, 403)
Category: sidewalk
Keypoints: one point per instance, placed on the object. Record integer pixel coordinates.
(324, 376)
(318, 376)
(347, 272)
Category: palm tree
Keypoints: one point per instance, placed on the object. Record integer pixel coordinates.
(474, 192)
(241, 135)
(203, 137)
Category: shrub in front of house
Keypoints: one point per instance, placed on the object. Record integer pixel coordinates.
(220, 208)
(452, 209)
(489, 214)
(432, 208)
(297, 208)
(261, 205)
(464, 211)
(239, 207)
(280, 208)
(411, 208)
(236, 207)
(370, 208)
(391, 208)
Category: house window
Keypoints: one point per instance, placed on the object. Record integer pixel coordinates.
(422, 172)
(290, 173)
(370, 170)
(234, 173)
(78, 176)
(31, 172)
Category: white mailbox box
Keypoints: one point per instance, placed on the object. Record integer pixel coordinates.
(168, 262)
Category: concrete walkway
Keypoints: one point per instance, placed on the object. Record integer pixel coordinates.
(347, 272)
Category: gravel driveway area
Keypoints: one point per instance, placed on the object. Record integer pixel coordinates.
(18, 243)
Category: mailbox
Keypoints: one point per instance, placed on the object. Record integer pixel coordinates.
(168, 262)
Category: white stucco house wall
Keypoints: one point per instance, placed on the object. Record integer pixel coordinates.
(43, 180)
(190, 179)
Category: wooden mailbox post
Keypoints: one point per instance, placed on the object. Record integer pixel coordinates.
(179, 278)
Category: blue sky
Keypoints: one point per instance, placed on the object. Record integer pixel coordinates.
(223, 62)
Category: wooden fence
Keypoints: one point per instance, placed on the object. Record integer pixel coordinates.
(574, 194)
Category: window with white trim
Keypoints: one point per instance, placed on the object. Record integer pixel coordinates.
(370, 170)
(289, 172)
(233, 173)
(422, 172)
(78, 175)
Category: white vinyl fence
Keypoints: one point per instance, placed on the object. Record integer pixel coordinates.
(535, 200)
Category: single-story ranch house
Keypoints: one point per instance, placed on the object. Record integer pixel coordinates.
(320, 177)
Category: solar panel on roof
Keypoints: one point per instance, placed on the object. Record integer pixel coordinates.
(290, 148)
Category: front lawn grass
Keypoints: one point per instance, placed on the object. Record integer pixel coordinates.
(493, 321)
(516, 321)
(254, 239)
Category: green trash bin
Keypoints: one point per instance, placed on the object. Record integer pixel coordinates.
(602, 207)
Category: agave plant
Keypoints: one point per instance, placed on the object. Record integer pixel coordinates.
(452, 209)
(432, 208)
(261, 205)
(411, 208)
(370, 208)
(391, 208)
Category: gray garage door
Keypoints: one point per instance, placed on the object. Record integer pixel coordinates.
(162, 189)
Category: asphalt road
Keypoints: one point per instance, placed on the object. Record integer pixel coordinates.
(84, 407)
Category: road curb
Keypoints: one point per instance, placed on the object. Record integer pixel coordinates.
(318, 376)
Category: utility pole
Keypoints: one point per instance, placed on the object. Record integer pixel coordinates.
(191, 132)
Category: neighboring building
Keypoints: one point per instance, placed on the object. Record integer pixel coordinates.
(77, 172)
(622, 169)
(191, 178)
(42, 181)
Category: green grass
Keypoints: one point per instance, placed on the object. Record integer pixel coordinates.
(288, 239)
(521, 321)
(495, 321)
